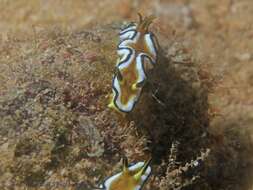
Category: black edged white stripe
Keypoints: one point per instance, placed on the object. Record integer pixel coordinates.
(131, 26)
(127, 56)
(125, 43)
(128, 32)
(143, 56)
(151, 44)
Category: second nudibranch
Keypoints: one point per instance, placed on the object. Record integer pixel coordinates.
(137, 52)
(132, 177)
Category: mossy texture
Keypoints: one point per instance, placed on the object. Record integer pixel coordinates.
(56, 131)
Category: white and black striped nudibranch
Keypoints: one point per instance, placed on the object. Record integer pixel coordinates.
(128, 32)
(137, 50)
(132, 177)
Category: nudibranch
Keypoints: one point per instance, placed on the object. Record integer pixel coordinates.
(137, 50)
(132, 177)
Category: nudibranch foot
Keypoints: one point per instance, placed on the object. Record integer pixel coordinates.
(132, 177)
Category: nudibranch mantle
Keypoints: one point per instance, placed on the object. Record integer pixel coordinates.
(132, 177)
(137, 50)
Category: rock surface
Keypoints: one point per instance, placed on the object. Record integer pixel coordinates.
(194, 117)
